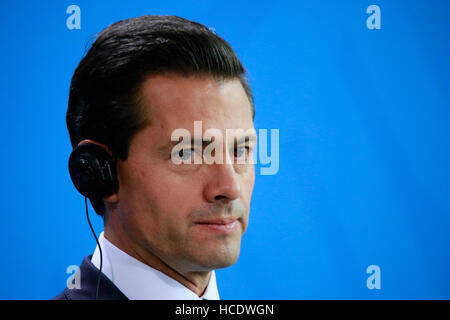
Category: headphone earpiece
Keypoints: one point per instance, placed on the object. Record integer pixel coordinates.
(93, 171)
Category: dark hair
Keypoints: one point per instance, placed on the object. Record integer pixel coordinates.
(104, 92)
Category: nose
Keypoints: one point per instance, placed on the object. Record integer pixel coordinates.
(223, 183)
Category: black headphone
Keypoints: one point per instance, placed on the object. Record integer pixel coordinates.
(93, 171)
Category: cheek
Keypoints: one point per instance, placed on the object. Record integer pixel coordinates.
(249, 182)
(158, 198)
(137, 197)
(136, 186)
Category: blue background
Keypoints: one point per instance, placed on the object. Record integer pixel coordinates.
(363, 115)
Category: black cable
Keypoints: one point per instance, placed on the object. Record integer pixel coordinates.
(99, 247)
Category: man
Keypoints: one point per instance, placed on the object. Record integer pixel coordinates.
(167, 225)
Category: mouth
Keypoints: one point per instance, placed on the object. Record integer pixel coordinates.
(219, 225)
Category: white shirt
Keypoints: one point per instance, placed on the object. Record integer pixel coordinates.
(138, 281)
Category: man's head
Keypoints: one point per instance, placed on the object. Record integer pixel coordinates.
(142, 79)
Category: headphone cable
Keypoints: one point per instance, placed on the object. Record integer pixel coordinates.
(99, 247)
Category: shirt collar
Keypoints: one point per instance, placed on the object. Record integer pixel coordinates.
(139, 281)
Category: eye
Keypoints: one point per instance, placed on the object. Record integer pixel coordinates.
(186, 154)
(241, 151)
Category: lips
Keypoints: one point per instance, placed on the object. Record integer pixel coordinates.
(219, 225)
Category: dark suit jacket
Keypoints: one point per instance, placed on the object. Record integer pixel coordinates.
(88, 286)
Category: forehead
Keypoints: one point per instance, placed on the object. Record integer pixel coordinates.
(174, 101)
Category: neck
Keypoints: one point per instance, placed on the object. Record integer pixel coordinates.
(196, 281)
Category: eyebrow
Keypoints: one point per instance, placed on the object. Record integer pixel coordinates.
(245, 139)
(204, 143)
(172, 144)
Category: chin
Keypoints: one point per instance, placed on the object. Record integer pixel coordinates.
(220, 258)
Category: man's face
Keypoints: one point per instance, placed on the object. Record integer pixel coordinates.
(191, 216)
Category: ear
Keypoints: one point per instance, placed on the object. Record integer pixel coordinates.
(97, 143)
(112, 198)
